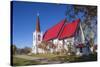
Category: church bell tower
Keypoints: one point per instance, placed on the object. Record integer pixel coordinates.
(37, 36)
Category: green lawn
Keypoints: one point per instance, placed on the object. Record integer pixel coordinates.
(45, 55)
(54, 57)
(67, 58)
(72, 58)
(22, 62)
(91, 57)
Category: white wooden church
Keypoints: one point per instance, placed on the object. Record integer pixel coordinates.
(61, 35)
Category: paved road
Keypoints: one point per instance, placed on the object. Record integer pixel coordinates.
(42, 60)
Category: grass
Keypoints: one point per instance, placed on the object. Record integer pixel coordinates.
(53, 57)
(22, 62)
(44, 55)
(72, 58)
(67, 58)
(91, 57)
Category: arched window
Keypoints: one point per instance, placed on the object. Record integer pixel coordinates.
(39, 37)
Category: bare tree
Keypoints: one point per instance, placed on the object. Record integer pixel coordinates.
(14, 48)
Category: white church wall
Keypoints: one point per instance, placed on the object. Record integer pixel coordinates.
(40, 50)
(55, 41)
(51, 50)
(66, 47)
(60, 45)
(78, 53)
(60, 41)
(36, 42)
(70, 41)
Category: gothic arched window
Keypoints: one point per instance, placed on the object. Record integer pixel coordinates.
(39, 37)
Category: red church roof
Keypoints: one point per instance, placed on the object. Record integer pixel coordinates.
(61, 30)
(69, 29)
(53, 32)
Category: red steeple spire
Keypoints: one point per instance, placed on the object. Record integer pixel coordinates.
(38, 24)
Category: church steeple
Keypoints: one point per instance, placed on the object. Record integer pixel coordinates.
(38, 24)
(37, 36)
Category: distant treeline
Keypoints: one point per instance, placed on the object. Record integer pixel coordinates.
(16, 50)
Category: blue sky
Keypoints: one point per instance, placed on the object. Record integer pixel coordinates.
(24, 19)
